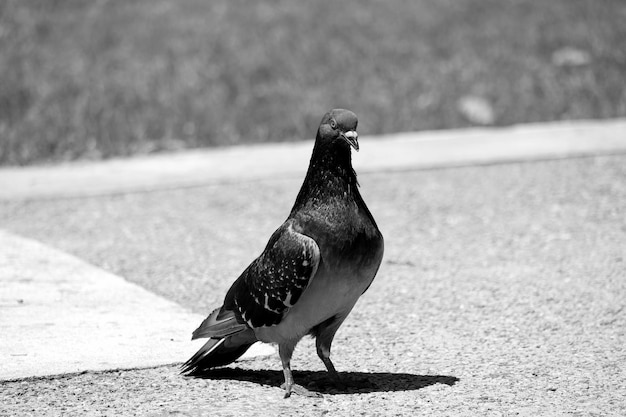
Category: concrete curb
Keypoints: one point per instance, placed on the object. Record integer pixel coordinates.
(61, 315)
(390, 152)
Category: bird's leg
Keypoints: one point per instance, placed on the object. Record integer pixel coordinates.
(323, 341)
(285, 352)
(323, 351)
(285, 357)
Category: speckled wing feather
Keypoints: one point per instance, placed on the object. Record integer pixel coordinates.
(274, 281)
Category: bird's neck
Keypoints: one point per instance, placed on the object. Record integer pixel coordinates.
(330, 175)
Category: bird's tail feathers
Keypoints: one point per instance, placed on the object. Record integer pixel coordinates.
(219, 324)
(228, 340)
(214, 353)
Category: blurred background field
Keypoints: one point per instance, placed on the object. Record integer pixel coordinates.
(96, 79)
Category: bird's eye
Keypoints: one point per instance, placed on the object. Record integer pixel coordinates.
(333, 123)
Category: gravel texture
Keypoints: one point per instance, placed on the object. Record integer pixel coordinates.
(502, 292)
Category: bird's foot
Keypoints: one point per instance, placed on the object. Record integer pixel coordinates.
(300, 390)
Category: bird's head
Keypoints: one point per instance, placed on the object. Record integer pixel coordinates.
(338, 126)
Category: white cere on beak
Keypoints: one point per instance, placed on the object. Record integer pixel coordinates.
(352, 138)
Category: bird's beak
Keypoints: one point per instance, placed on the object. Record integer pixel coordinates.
(351, 137)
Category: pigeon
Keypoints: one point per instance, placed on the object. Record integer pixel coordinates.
(312, 271)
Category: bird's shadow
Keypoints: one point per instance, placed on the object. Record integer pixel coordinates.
(318, 381)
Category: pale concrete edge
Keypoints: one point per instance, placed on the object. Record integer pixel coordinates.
(32, 286)
(479, 163)
(595, 146)
(272, 177)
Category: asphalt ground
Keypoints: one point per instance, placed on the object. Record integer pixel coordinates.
(502, 292)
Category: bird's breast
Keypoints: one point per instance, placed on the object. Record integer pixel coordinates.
(346, 235)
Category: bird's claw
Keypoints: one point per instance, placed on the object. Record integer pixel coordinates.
(300, 390)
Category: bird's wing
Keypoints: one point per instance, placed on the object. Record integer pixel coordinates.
(274, 282)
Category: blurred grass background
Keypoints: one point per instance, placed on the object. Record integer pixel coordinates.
(95, 79)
